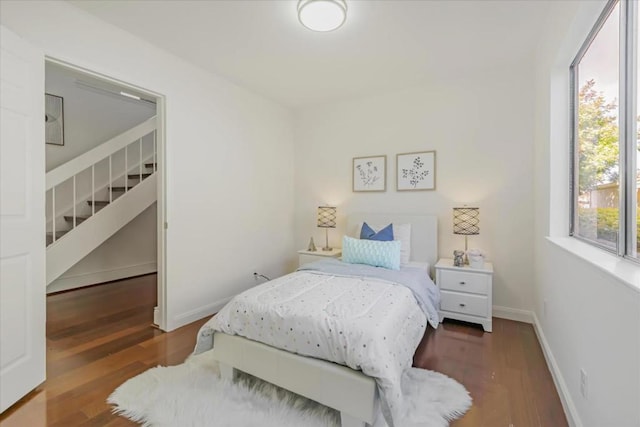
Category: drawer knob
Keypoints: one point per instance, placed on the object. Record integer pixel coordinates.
(463, 283)
(462, 304)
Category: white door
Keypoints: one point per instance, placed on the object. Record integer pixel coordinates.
(22, 219)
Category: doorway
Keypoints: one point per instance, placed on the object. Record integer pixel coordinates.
(95, 110)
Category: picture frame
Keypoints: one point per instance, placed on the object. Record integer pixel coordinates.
(369, 174)
(416, 171)
(54, 119)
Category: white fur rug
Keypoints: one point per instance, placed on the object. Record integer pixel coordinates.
(193, 394)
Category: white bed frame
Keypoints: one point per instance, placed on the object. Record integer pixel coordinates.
(348, 391)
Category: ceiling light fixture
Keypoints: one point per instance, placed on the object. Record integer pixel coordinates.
(322, 15)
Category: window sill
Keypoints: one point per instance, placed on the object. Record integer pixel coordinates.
(625, 271)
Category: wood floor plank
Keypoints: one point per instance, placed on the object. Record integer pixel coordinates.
(100, 336)
(93, 345)
(56, 352)
(505, 372)
(82, 358)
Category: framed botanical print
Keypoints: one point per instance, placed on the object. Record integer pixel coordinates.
(416, 171)
(370, 173)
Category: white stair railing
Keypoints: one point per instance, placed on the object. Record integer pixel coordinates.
(103, 161)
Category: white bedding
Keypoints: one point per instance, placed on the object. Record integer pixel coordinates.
(364, 323)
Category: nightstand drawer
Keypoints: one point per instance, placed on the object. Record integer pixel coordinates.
(474, 305)
(464, 282)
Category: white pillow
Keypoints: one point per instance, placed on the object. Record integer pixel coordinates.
(401, 232)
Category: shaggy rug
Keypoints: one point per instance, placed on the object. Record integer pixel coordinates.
(193, 394)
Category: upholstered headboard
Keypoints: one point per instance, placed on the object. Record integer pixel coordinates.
(424, 232)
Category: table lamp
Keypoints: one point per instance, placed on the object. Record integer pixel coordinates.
(466, 222)
(326, 220)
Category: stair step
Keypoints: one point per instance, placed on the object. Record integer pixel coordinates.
(98, 202)
(137, 175)
(79, 219)
(129, 187)
(59, 234)
(151, 165)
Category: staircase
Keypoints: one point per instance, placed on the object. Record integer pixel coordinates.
(97, 193)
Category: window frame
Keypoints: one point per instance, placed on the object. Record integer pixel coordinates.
(628, 122)
(627, 109)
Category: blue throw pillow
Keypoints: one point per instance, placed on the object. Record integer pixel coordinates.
(371, 252)
(384, 235)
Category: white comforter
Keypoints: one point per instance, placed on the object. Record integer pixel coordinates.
(364, 323)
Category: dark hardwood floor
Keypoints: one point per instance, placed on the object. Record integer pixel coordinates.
(98, 337)
(504, 371)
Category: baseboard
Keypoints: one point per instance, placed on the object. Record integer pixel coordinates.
(95, 277)
(196, 314)
(561, 386)
(516, 314)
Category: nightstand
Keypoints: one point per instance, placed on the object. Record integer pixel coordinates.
(305, 257)
(465, 292)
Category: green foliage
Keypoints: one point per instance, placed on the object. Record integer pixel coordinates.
(601, 223)
(598, 148)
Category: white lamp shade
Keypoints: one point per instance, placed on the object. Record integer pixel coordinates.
(322, 15)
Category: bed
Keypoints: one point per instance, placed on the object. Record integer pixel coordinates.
(328, 361)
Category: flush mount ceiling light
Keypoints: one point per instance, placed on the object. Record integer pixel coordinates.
(322, 15)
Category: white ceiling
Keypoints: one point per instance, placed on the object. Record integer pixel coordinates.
(383, 45)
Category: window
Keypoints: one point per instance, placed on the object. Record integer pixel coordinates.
(604, 134)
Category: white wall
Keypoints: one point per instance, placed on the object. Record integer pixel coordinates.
(592, 319)
(480, 126)
(229, 157)
(90, 117)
